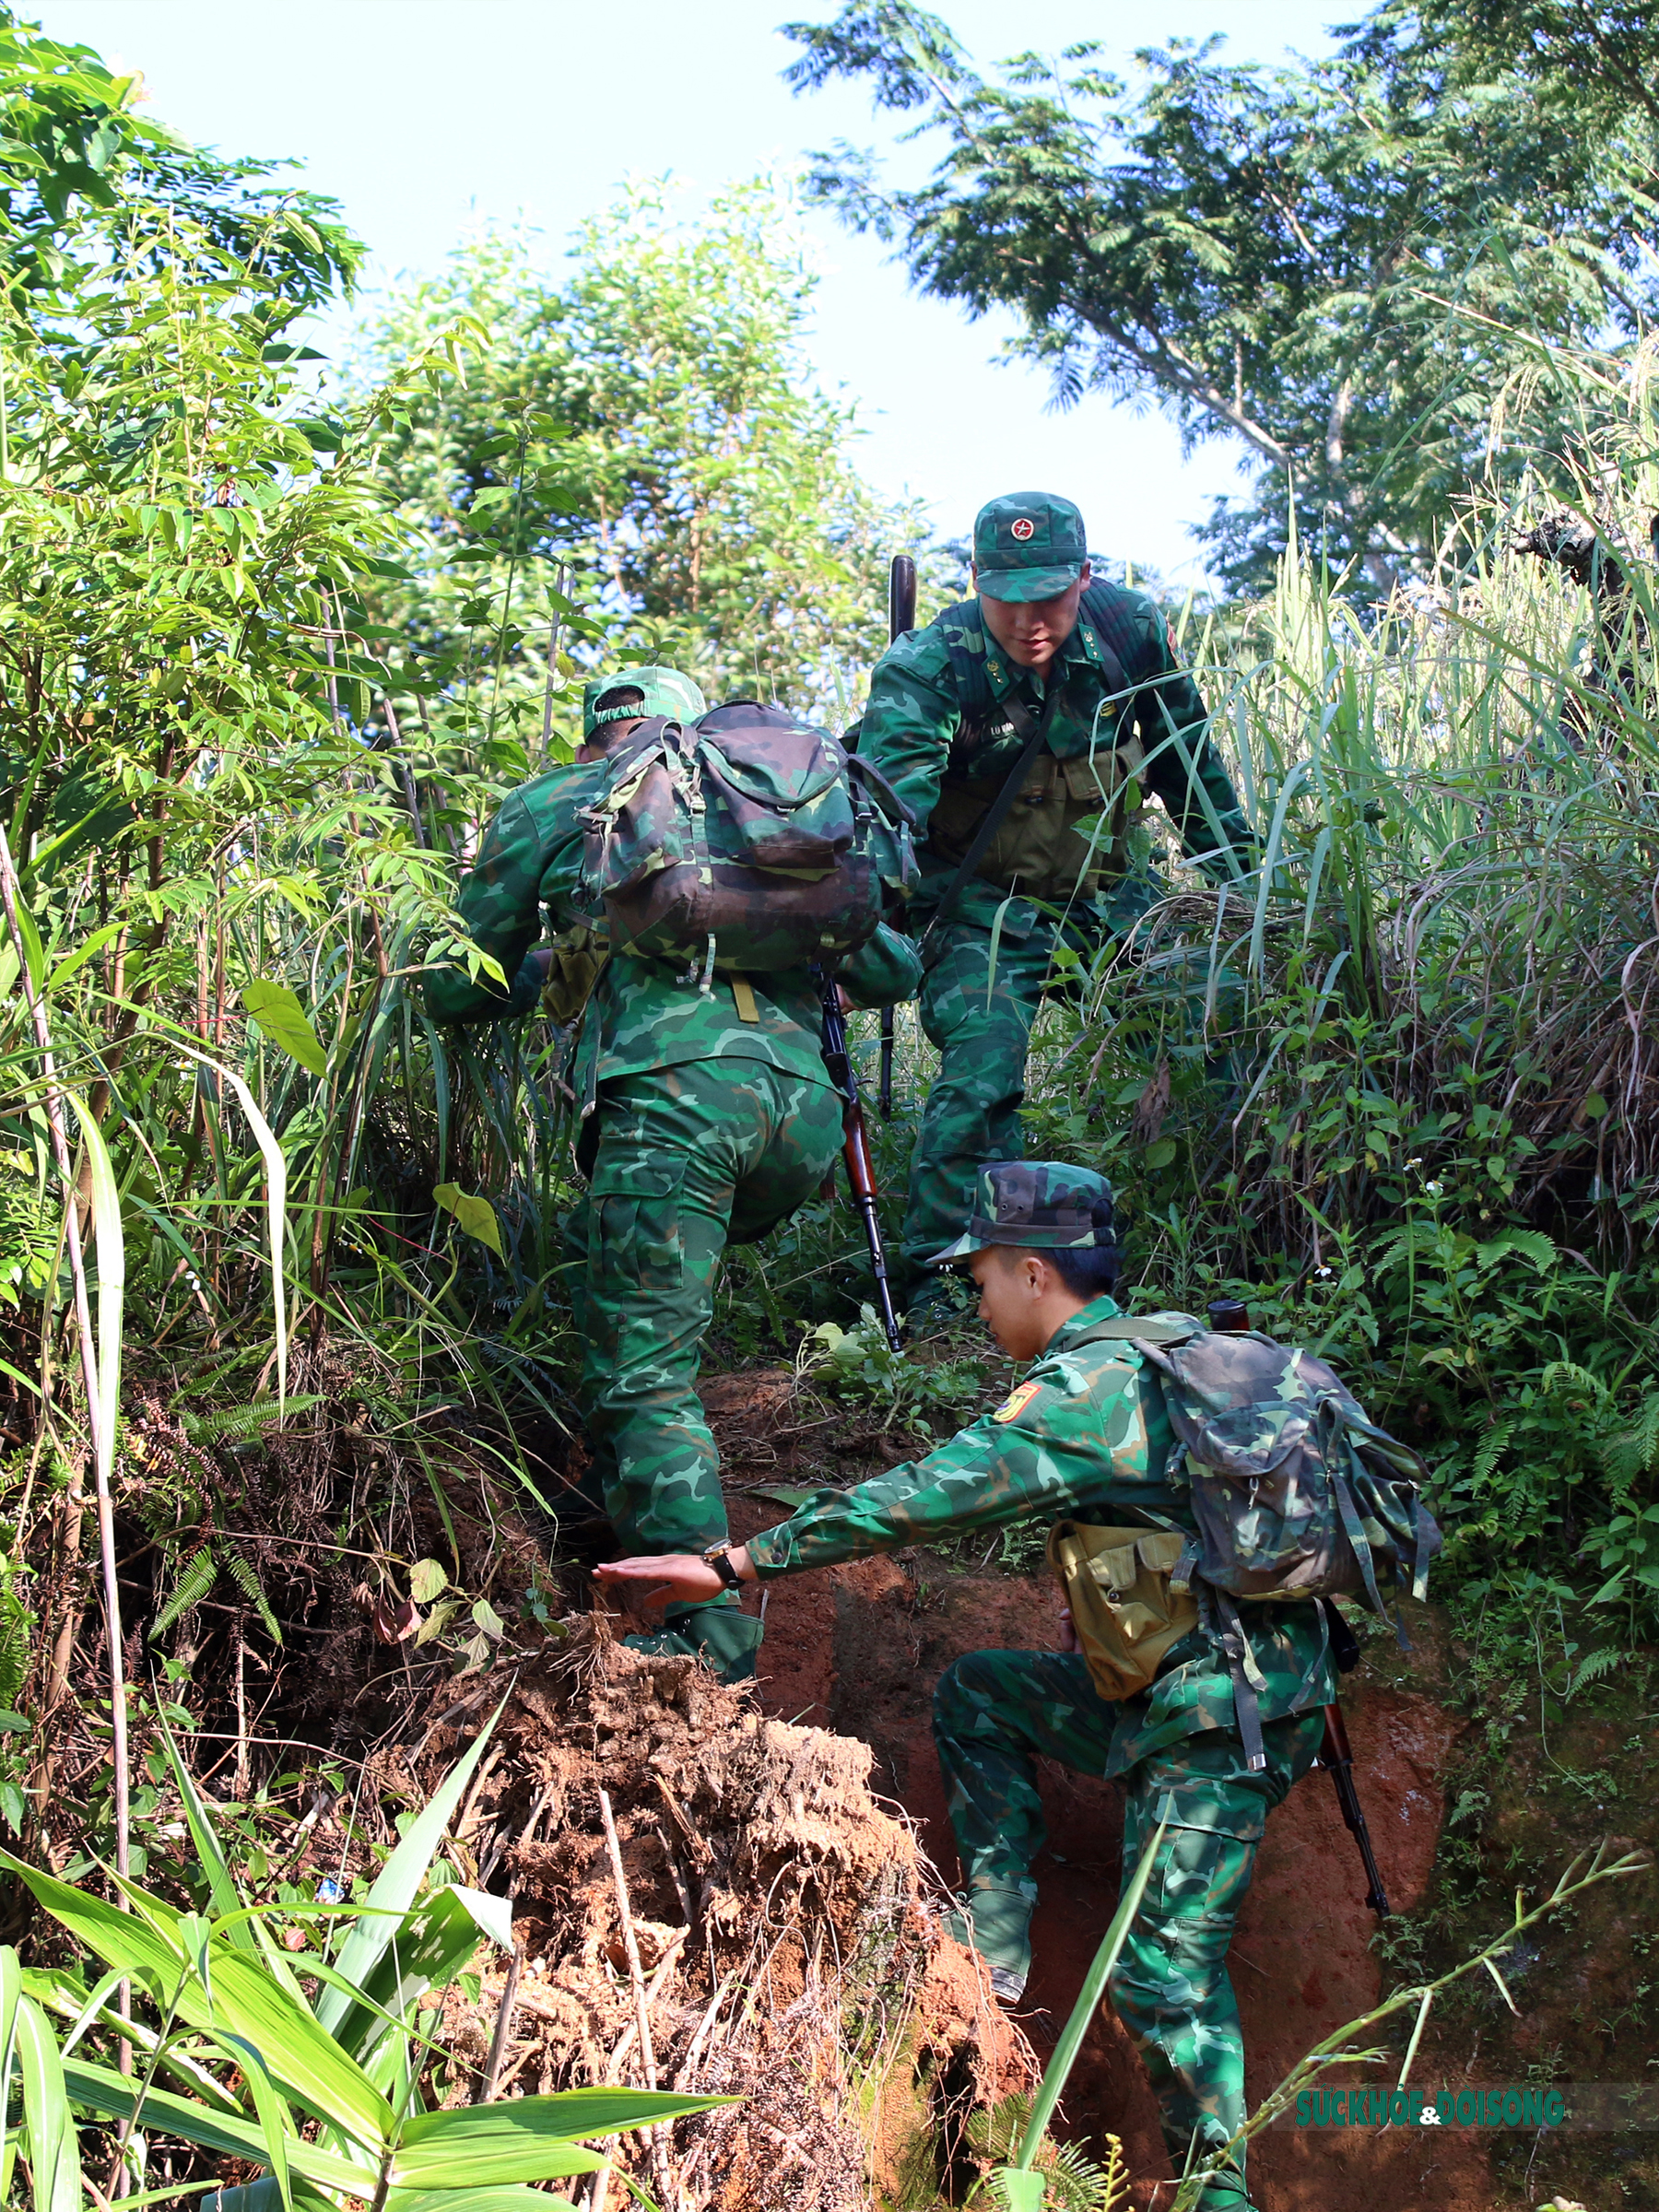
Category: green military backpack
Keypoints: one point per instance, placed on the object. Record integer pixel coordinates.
(1297, 1495)
(739, 843)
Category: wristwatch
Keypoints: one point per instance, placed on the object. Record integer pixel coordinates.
(719, 1557)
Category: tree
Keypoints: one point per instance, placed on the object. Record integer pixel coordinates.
(650, 422)
(1339, 264)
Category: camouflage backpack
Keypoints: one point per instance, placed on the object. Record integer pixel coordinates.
(739, 845)
(1297, 1495)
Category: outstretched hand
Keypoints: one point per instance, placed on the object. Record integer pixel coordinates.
(667, 1578)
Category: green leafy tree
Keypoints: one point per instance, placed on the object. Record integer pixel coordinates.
(1338, 264)
(648, 420)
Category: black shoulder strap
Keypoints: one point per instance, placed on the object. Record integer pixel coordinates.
(1126, 1329)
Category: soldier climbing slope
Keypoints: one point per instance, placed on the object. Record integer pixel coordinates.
(1022, 727)
(1206, 1718)
(709, 1119)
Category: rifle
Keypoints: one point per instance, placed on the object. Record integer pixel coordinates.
(855, 1150)
(1338, 1760)
(901, 616)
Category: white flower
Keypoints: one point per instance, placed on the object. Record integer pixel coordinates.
(1434, 1189)
(1324, 1272)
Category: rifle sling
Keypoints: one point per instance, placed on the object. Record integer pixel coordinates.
(1033, 731)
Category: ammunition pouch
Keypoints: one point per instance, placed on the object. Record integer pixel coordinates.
(1117, 1585)
(578, 957)
(1038, 848)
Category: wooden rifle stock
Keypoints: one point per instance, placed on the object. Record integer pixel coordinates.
(901, 616)
(856, 1146)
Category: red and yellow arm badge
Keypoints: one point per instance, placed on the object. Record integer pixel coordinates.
(1017, 1401)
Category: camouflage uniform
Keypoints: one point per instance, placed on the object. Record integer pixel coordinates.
(938, 728)
(713, 1119)
(1086, 1435)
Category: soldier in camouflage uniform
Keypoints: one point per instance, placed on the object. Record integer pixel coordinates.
(1085, 1435)
(1067, 868)
(712, 1118)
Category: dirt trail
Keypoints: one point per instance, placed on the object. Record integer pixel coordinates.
(858, 1648)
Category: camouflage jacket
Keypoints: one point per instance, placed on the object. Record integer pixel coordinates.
(643, 1014)
(914, 729)
(1085, 1436)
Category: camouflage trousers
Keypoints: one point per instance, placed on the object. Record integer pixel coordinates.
(688, 1160)
(981, 1022)
(995, 1714)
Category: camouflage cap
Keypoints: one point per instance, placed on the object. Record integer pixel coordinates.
(662, 691)
(1028, 545)
(1035, 1206)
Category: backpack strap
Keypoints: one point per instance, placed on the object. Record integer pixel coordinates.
(1106, 610)
(1126, 1329)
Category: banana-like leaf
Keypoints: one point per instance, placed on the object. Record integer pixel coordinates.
(115, 2097)
(525, 2138)
(284, 1021)
(504, 2196)
(434, 1942)
(396, 1887)
(246, 2001)
(28, 2049)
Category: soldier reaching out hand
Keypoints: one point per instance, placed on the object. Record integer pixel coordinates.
(1086, 1434)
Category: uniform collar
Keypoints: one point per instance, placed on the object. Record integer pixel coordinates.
(1104, 1308)
(1079, 650)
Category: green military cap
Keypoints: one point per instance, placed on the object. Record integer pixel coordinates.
(662, 691)
(1028, 545)
(1036, 1205)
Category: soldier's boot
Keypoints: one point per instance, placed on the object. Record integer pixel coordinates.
(724, 1638)
(996, 1921)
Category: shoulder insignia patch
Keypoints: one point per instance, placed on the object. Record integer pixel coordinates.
(1017, 1402)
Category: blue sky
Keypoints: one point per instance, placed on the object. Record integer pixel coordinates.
(425, 117)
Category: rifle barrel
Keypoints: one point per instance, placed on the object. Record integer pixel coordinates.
(855, 1150)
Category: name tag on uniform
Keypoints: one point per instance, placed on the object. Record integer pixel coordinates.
(1017, 1402)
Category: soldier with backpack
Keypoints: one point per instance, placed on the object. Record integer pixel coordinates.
(1206, 1493)
(699, 868)
(1025, 728)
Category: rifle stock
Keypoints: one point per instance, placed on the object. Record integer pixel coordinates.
(856, 1146)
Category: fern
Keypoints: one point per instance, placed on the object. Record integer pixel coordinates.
(196, 1577)
(248, 1583)
(1489, 1450)
(233, 1422)
(16, 1621)
(1567, 1375)
(1591, 1669)
(1633, 1452)
(1073, 2182)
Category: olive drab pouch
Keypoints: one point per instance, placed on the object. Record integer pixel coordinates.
(739, 844)
(578, 955)
(1117, 1586)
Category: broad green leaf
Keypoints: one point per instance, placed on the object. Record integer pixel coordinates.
(272, 2112)
(504, 2196)
(113, 2095)
(1094, 1984)
(1019, 2189)
(398, 1884)
(427, 1579)
(246, 2000)
(526, 2138)
(435, 1941)
(284, 1020)
(87, 949)
(54, 2147)
(475, 1216)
